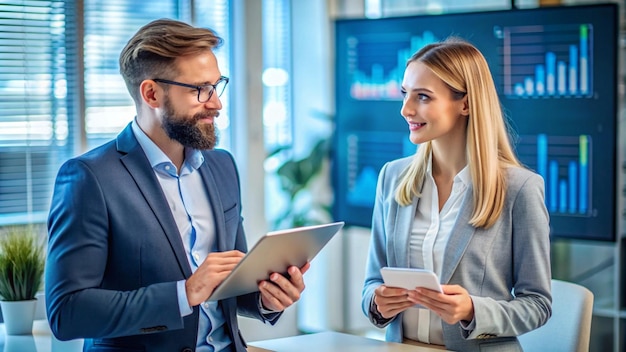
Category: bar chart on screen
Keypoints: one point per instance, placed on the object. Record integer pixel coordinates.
(547, 61)
(554, 70)
(565, 164)
(376, 62)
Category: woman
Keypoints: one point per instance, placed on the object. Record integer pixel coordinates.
(463, 207)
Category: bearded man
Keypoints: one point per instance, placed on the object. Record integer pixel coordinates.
(143, 228)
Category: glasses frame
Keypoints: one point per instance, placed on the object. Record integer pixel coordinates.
(198, 88)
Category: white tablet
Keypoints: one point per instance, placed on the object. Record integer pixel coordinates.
(410, 278)
(274, 253)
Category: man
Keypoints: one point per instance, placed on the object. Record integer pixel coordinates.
(142, 229)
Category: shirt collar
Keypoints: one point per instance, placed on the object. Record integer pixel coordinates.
(464, 176)
(193, 157)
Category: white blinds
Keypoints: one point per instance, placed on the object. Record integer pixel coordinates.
(215, 15)
(52, 66)
(277, 82)
(109, 24)
(33, 104)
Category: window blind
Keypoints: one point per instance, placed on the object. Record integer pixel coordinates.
(277, 100)
(215, 15)
(109, 24)
(40, 104)
(34, 104)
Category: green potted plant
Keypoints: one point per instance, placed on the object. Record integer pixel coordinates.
(22, 261)
(296, 177)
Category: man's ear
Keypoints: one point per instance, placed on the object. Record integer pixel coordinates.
(151, 93)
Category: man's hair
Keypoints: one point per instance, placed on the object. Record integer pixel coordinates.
(463, 68)
(151, 52)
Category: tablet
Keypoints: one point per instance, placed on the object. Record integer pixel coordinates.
(274, 253)
(410, 278)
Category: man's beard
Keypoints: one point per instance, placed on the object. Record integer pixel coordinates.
(187, 131)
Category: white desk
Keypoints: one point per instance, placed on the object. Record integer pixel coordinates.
(40, 341)
(331, 341)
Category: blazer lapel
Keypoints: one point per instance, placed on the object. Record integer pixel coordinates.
(462, 233)
(214, 200)
(404, 220)
(140, 169)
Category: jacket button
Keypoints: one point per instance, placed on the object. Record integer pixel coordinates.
(187, 349)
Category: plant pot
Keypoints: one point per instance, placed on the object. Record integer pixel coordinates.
(18, 316)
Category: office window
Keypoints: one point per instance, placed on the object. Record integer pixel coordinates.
(108, 26)
(392, 8)
(215, 14)
(276, 74)
(35, 67)
(277, 109)
(60, 88)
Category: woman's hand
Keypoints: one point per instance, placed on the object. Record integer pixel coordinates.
(391, 300)
(453, 305)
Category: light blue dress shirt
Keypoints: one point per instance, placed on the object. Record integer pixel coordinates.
(189, 203)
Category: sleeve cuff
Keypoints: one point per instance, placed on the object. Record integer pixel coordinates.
(468, 325)
(375, 316)
(263, 310)
(183, 303)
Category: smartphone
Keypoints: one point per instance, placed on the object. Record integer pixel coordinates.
(410, 278)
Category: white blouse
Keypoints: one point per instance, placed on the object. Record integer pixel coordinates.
(429, 236)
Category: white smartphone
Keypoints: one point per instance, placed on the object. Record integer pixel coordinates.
(410, 278)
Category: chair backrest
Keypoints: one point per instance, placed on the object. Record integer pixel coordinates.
(569, 328)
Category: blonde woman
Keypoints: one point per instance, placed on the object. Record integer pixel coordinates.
(463, 207)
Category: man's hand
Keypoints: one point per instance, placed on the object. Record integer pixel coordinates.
(209, 274)
(278, 292)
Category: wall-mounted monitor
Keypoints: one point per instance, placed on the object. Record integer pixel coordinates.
(555, 69)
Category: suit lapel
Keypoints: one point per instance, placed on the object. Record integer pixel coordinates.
(214, 200)
(139, 168)
(462, 233)
(404, 220)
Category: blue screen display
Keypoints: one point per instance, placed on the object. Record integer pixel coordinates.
(555, 69)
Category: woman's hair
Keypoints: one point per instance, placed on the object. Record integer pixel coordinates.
(151, 52)
(464, 69)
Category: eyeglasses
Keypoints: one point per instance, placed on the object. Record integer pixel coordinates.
(205, 92)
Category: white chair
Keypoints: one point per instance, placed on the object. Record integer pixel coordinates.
(569, 328)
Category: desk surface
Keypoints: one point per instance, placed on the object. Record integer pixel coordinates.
(331, 341)
(40, 341)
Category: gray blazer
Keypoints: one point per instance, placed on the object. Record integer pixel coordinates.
(505, 268)
(115, 253)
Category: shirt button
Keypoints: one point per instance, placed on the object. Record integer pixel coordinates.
(196, 256)
(210, 339)
(205, 305)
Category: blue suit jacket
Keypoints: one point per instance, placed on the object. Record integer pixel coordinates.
(115, 253)
(505, 268)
